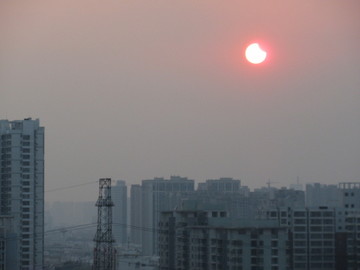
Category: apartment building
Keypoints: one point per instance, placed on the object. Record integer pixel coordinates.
(119, 197)
(312, 236)
(198, 236)
(157, 195)
(22, 187)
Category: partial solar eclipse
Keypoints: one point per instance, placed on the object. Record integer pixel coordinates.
(254, 54)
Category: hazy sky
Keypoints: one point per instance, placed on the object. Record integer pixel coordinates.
(141, 89)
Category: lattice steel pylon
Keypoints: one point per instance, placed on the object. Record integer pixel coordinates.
(104, 252)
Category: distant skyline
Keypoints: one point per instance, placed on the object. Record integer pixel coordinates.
(134, 90)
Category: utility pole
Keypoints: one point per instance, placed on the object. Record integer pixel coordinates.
(104, 252)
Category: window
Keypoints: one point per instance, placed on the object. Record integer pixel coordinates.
(315, 214)
(299, 236)
(315, 251)
(316, 236)
(25, 262)
(315, 221)
(328, 214)
(300, 258)
(328, 243)
(328, 221)
(300, 243)
(315, 229)
(299, 214)
(300, 221)
(299, 229)
(328, 236)
(300, 250)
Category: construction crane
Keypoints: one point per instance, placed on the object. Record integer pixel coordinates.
(269, 182)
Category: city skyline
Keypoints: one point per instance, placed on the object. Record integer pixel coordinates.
(134, 90)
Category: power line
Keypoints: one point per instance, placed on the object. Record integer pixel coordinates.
(68, 187)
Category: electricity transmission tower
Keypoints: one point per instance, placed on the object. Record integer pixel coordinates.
(104, 252)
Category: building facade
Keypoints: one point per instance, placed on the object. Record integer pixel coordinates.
(119, 197)
(135, 215)
(8, 244)
(322, 195)
(158, 195)
(194, 239)
(22, 187)
(312, 234)
(224, 185)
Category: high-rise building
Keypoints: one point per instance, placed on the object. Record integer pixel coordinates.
(119, 197)
(223, 185)
(159, 194)
(350, 195)
(312, 236)
(22, 188)
(8, 244)
(199, 236)
(322, 195)
(135, 215)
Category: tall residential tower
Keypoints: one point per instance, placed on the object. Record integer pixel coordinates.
(22, 188)
(119, 197)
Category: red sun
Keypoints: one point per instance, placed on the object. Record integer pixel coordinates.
(254, 54)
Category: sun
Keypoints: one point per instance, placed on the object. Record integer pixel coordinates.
(254, 54)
